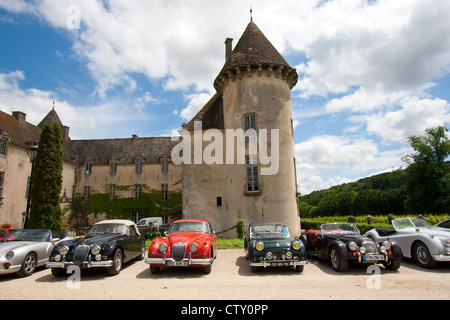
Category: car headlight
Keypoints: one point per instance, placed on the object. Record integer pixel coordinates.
(259, 246)
(162, 247)
(447, 242)
(386, 244)
(296, 245)
(95, 249)
(9, 255)
(193, 247)
(352, 246)
(63, 250)
(362, 250)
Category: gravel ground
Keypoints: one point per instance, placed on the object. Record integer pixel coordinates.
(231, 279)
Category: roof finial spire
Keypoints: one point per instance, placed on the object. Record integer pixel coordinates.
(251, 13)
(53, 105)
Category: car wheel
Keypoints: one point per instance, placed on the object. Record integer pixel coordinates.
(58, 272)
(339, 264)
(393, 264)
(28, 265)
(299, 269)
(142, 254)
(207, 269)
(423, 257)
(154, 270)
(255, 269)
(117, 263)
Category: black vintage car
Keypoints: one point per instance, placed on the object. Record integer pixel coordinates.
(342, 243)
(109, 244)
(269, 244)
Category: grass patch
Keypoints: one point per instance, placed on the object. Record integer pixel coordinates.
(230, 243)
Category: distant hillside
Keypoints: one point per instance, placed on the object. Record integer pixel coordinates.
(377, 195)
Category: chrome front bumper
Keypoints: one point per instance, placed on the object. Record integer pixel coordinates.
(441, 257)
(278, 263)
(179, 263)
(85, 264)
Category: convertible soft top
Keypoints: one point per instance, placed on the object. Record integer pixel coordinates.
(116, 221)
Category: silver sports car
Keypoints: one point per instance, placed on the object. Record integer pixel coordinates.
(22, 251)
(417, 240)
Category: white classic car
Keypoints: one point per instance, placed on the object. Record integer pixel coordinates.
(22, 251)
(417, 240)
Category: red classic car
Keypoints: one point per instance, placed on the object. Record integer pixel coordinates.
(188, 243)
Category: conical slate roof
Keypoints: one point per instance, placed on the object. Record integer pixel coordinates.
(253, 49)
(51, 117)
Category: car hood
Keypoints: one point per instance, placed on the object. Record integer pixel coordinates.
(347, 237)
(99, 239)
(274, 244)
(435, 233)
(8, 246)
(186, 237)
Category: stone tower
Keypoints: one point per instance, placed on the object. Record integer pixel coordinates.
(253, 96)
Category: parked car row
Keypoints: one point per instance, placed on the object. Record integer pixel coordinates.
(193, 243)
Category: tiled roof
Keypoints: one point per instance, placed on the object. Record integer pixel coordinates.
(101, 152)
(20, 133)
(211, 115)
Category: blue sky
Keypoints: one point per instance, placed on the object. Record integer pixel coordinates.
(371, 73)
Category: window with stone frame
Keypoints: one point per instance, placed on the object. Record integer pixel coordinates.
(87, 191)
(137, 191)
(252, 183)
(3, 147)
(164, 191)
(2, 180)
(112, 192)
(250, 122)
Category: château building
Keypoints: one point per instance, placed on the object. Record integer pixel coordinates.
(252, 175)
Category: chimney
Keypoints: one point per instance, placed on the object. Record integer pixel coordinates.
(19, 115)
(228, 47)
(65, 132)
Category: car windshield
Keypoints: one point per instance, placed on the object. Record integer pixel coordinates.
(403, 223)
(35, 235)
(269, 230)
(339, 227)
(189, 226)
(108, 228)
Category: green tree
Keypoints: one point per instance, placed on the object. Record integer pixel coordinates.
(46, 181)
(428, 175)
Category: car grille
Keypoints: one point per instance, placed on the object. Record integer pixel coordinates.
(370, 247)
(80, 254)
(178, 251)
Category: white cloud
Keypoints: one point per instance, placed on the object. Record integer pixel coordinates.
(194, 103)
(341, 159)
(94, 121)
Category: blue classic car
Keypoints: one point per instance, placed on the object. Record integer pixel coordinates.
(109, 244)
(269, 244)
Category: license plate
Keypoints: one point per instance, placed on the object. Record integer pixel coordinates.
(373, 257)
(177, 263)
(279, 264)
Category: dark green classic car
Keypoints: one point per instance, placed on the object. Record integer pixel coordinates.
(269, 244)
